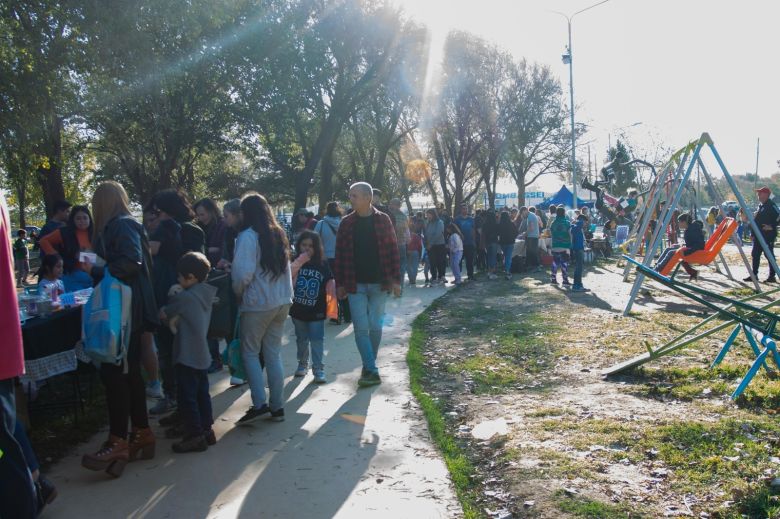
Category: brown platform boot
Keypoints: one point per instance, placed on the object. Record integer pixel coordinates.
(141, 445)
(112, 457)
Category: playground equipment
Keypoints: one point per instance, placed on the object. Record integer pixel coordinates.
(674, 178)
(705, 256)
(758, 324)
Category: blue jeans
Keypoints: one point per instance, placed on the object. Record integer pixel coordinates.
(368, 310)
(194, 400)
(17, 493)
(578, 255)
(507, 250)
(455, 258)
(412, 265)
(262, 332)
(402, 260)
(492, 256)
(310, 333)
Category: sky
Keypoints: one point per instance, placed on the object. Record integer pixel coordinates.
(679, 68)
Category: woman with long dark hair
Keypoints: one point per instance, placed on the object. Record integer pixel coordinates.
(210, 220)
(69, 242)
(121, 241)
(263, 284)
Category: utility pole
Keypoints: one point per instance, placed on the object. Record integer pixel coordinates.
(568, 59)
(755, 176)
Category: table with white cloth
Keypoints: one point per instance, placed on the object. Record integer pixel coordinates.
(519, 249)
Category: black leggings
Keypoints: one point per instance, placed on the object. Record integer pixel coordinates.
(125, 392)
(437, 255)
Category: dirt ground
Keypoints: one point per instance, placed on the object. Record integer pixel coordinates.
(517, 366)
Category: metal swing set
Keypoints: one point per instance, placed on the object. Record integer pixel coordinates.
(756, 323)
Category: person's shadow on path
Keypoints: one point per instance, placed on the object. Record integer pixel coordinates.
(329, 463)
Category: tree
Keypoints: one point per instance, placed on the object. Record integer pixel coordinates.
(158, 88)
(625, 176)
(458, 126)
(537, 142)
(41, 45)
(305, 79)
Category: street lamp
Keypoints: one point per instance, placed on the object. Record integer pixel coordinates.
(568, 60)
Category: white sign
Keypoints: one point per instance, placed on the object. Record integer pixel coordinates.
(510, 199)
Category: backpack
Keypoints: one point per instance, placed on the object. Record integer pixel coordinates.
(106, 321)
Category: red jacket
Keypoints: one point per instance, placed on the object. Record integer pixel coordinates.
(345, 251)
(11, 348)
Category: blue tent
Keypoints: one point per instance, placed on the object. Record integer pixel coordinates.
(565, 197)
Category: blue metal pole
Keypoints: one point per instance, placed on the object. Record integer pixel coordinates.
(756, 231)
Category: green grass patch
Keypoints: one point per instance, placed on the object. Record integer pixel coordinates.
(460, 467)
(732, 454)
(516, 343)
(579, 506)
(696, 382)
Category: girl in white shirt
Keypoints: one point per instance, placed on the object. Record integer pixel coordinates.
(455, 245)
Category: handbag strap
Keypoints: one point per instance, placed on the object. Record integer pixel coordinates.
(236, 328)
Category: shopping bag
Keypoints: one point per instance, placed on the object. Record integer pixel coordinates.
(106, 321)
(331, 301)
(232, 355)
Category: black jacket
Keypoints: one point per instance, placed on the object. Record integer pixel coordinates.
(767, 214)
(694, 237)
(507, 232)
(124, 246)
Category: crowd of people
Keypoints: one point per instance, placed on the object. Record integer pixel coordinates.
(340, 267)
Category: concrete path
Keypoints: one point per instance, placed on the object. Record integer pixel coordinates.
(342, 451)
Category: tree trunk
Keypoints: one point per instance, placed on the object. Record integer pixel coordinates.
(326, 179)
(21, 199)
(50, 176)
(521, 191)
(325, 140)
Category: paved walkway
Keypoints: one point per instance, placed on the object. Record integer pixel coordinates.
(342, 452)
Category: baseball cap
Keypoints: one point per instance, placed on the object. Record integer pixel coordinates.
(764, 190)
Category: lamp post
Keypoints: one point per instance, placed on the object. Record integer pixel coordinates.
(568, 59)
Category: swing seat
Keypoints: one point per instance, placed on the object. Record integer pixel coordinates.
(711, 249)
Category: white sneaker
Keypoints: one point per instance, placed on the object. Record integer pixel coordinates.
(154, 389)
(235, 381)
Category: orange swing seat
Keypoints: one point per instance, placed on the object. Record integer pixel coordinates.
(715, 243)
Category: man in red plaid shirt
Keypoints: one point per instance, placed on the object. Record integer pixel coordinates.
(366, 270)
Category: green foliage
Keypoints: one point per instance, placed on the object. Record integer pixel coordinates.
(625, 176)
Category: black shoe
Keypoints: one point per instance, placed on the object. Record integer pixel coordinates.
(253, 415)
(172, 419)
(177, 431)
(46, 492)
(770, 279)
(193, 444)
(211, 438)
(277, 416)
(748, 279)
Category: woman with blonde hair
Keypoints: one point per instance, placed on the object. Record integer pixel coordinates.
(121, 242)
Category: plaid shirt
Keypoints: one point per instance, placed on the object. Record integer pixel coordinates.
(345, 251)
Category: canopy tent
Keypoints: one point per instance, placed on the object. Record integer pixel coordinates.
(565, 197)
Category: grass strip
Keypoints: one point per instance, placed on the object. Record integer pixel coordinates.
(460, 468)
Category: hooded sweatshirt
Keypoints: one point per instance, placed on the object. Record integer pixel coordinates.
(328, 229)
(193, 307)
